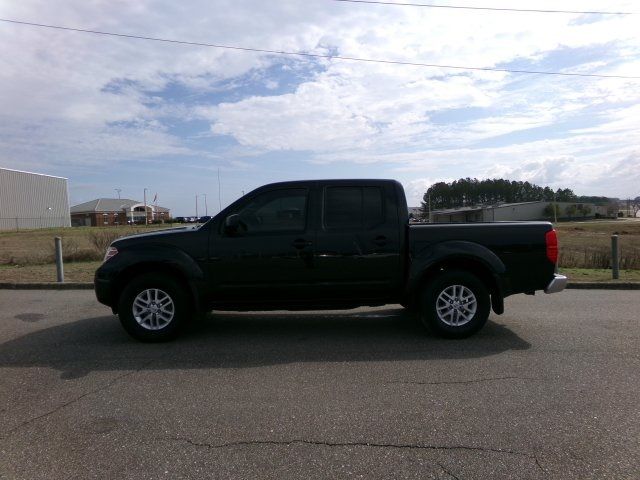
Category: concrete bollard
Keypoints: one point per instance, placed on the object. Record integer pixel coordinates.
(59, 265)
(615, 258)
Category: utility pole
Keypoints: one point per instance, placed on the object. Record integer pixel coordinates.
(146, 220)
(206, 208)
(118, 190)
(219, 193)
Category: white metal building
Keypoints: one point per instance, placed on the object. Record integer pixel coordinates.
(516, 212)
(32, 200)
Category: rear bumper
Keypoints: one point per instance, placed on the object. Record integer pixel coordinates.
(556, 285)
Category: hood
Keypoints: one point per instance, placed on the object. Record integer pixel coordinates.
(159, 235)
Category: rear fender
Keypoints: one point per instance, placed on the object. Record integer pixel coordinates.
(464, 255)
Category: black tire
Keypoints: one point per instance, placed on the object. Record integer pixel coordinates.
(154, 327)
(444, 317)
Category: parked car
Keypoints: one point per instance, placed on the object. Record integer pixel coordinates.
(325, 245)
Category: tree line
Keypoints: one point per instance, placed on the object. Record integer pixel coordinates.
(471, 191)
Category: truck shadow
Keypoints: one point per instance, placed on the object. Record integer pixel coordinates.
(244, 340)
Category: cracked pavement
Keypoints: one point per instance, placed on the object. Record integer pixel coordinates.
(551, 389)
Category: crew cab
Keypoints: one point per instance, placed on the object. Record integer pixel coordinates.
(325, 244)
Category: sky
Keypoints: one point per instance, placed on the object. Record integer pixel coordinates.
(116, 113)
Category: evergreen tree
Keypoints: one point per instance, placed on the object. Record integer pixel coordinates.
(471, 191)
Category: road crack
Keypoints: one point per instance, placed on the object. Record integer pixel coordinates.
(407, 446)
(542, 469)
(462, 382)
(344, 444)
(102, 387)
(445, 470)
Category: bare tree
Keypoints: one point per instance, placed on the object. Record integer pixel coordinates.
(635, 205)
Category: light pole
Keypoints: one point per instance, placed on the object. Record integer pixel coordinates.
(219, 192)
(197, 208)
(146, 220)
(48, 209)
(206, 209)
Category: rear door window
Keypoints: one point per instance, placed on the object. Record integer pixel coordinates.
(353, 207)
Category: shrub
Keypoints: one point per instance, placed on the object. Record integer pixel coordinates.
(549, 210)
(101, 239)
(598, 257)
(71, 252)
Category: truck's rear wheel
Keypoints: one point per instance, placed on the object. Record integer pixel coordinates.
(153, 308)
(455, 304)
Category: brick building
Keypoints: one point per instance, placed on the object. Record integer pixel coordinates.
(115, 211)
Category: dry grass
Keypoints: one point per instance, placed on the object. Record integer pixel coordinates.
(83, 272)
(588, 244)
(73, 272)
(577, 275)
(28, 255)
(36, 247)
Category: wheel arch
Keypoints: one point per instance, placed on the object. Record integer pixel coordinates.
(141, 268)
(488, 268)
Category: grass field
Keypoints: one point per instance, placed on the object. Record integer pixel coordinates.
(578, 275)
(83, 272)
(73, 272)
(36, 247)
(28, 256)
(588, 244)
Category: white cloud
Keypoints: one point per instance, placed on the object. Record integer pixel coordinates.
(72, 99)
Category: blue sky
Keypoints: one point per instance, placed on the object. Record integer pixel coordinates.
(118, 113)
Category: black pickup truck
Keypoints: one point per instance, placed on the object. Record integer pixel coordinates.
(325, 244)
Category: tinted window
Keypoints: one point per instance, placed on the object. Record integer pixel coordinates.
(372, 203)
(353, 207)
(275, 211)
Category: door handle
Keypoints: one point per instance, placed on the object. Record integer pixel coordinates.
(380, 240)
(300, 243)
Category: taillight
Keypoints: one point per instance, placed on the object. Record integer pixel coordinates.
(111, 252)
(551, 239)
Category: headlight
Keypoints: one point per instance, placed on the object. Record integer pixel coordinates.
(111, 252)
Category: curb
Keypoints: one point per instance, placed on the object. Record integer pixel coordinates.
(89, 286)
(47, 286)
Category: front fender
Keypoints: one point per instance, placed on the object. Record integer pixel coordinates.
(162, 255)
(113, 275)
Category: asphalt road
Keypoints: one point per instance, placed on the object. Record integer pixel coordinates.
(551, 389)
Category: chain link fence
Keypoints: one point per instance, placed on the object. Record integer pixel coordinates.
(29, 223)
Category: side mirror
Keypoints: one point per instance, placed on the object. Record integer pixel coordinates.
(231, 223)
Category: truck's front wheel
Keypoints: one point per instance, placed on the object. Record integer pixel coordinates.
(455, 304)
(153, 308)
